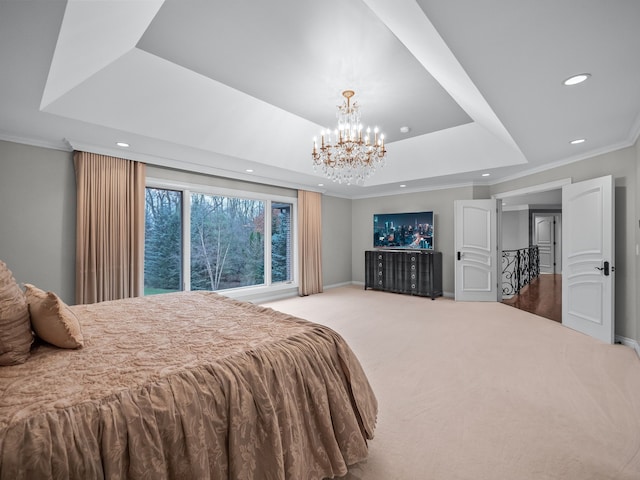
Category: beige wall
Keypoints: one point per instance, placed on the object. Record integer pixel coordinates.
(515, 229)
(622, 164)
(440, 201)
(336, 240)
(38, 216)
(37, 220)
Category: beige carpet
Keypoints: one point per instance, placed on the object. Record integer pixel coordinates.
(484, 391)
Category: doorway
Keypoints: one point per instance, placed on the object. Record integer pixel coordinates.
(532, 217)
(588, 252)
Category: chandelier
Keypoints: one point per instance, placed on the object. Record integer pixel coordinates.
(344, 156)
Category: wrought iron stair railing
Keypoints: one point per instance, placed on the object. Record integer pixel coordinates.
(519, 268)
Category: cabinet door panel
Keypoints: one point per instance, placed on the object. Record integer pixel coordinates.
(424, 274)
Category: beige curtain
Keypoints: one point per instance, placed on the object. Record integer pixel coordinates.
(110, 227)
(310, 242)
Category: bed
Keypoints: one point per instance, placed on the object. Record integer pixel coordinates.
(189, 385)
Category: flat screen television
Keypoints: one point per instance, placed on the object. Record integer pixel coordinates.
(403, 230)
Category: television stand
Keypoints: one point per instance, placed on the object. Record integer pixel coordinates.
(412, 272)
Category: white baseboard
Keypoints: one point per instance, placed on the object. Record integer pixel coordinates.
(628, 342)
(343, 284)
(361, 284)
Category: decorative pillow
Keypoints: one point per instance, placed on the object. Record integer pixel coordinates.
(15, 330)
(52, 320)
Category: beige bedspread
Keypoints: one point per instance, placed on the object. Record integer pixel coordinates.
(189, 385)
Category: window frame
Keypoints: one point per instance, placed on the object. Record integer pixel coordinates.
(268, 287)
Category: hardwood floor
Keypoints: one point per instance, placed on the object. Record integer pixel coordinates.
(543, 297)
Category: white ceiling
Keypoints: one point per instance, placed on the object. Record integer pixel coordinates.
(219, 87)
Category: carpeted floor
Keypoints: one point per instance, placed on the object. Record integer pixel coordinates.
(484, 391)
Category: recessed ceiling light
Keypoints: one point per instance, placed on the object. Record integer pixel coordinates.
(577, 141)
(249, 170)
(405, 129)
(402, 186)
(486, 174)
(321, 184)
(576, 79)
(122, 144)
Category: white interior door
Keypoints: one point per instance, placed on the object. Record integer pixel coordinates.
(587, 257)
(544, 238)
(476, 271)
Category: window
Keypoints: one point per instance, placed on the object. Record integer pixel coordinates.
(162, 241)
(281, 248)
(227, 242)
(222, 242)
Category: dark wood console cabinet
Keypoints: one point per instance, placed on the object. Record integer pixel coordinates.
(413, 272)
